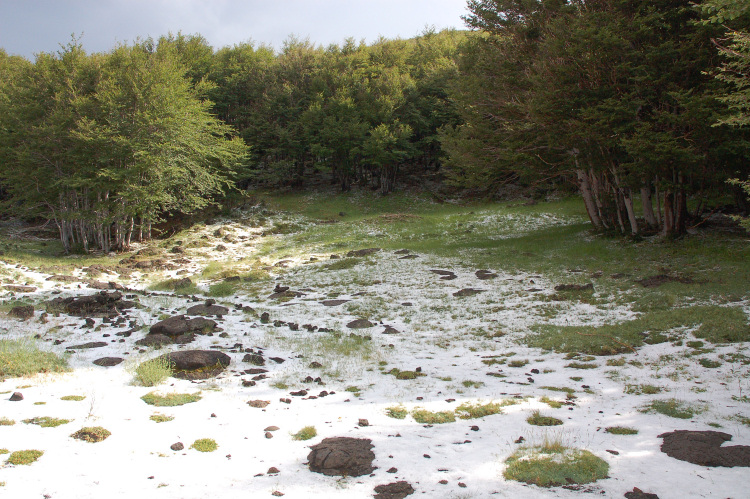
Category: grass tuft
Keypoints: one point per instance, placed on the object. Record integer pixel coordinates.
(396, 412)
(305, 433)
(673, 408)
(73, 398)
(92, 434)
(621, 430)
(205, 445)
(47, 422)
(547, 467)
(537, 419)
(160, 418)
(24, 457)
(171, 399)
(153, 372)
(424, 416)
(23, 358)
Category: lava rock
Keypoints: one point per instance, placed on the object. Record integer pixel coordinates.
(342, 456)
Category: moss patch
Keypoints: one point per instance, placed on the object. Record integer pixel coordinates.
(428, 417)
(552, 467)
(92, 434)
(24, 456)
(205, 445)
(305, 433)
(47, 422)
(171, 399)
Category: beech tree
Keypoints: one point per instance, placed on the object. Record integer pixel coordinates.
(105, 144)
(611, 94)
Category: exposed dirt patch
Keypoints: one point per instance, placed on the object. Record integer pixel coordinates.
(704, 448)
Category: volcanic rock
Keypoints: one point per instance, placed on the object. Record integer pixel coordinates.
(342, 456)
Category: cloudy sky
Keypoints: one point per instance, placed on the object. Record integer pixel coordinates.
(28, 27)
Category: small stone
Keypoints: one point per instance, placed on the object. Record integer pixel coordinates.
(443, 482)
(177, 446)
(277, 493)
(258, 404)
(474, 428)
(462, 485)
(273, 470)
(17, 396)
(392, 470)
(285, 400)
(520, 440)
(213, 414)
(363, 422)
(272, 428)
(426, 456)
(269, 434)
(613, 452)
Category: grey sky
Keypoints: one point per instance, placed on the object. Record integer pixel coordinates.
(28, 27)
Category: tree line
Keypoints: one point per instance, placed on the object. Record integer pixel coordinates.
(632, 102)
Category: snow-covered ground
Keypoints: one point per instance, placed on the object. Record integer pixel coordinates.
(446, 336)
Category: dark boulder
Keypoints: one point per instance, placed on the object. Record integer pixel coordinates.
(197, 364)
(342, 456)
(180, 324)
(22, 312)
(395, 490)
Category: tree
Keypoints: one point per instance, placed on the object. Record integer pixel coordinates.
(105, 144)
(610, 94)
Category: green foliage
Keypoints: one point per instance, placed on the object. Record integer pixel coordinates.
(621, 430)
(537, 419)
(24, 358)
(205, 445)
(396, 412)
(47, 422)
(74, 398)
(106, 141)
(305, 433)
(92, 434)
(673, 408)
(424, 416)
(24, 457)
(642, 389)
(170, 399)
(716, 324)
(7, 421)
(153, 372)
(160, 418)
(547, 467)
(469, 410)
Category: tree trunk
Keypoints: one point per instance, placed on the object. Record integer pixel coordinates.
(648, 208)
(588, 198)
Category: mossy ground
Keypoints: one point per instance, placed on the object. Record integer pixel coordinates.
(170, 399)
(551, 467)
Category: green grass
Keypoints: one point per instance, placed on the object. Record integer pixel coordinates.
(24, 457)
(73, 398)
(160, 418)
(555, 404)
(223, 288)
(171, 399)
(709, 363)
(47, 422)
(518, 363)
(469, 410)
(471, 384)
(552, 467)
(565, 389)
(642, 389)
(715, 323)
(205, 445)
(673, 408)
(305, 433)
(424, 416)
(153, 372)
(396, 412)
(621, 430)
(537, 419)
(581, 365)
(92, 434)
(23, 358)
(7, 422)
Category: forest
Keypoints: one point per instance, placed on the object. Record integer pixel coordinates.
(639, 107)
